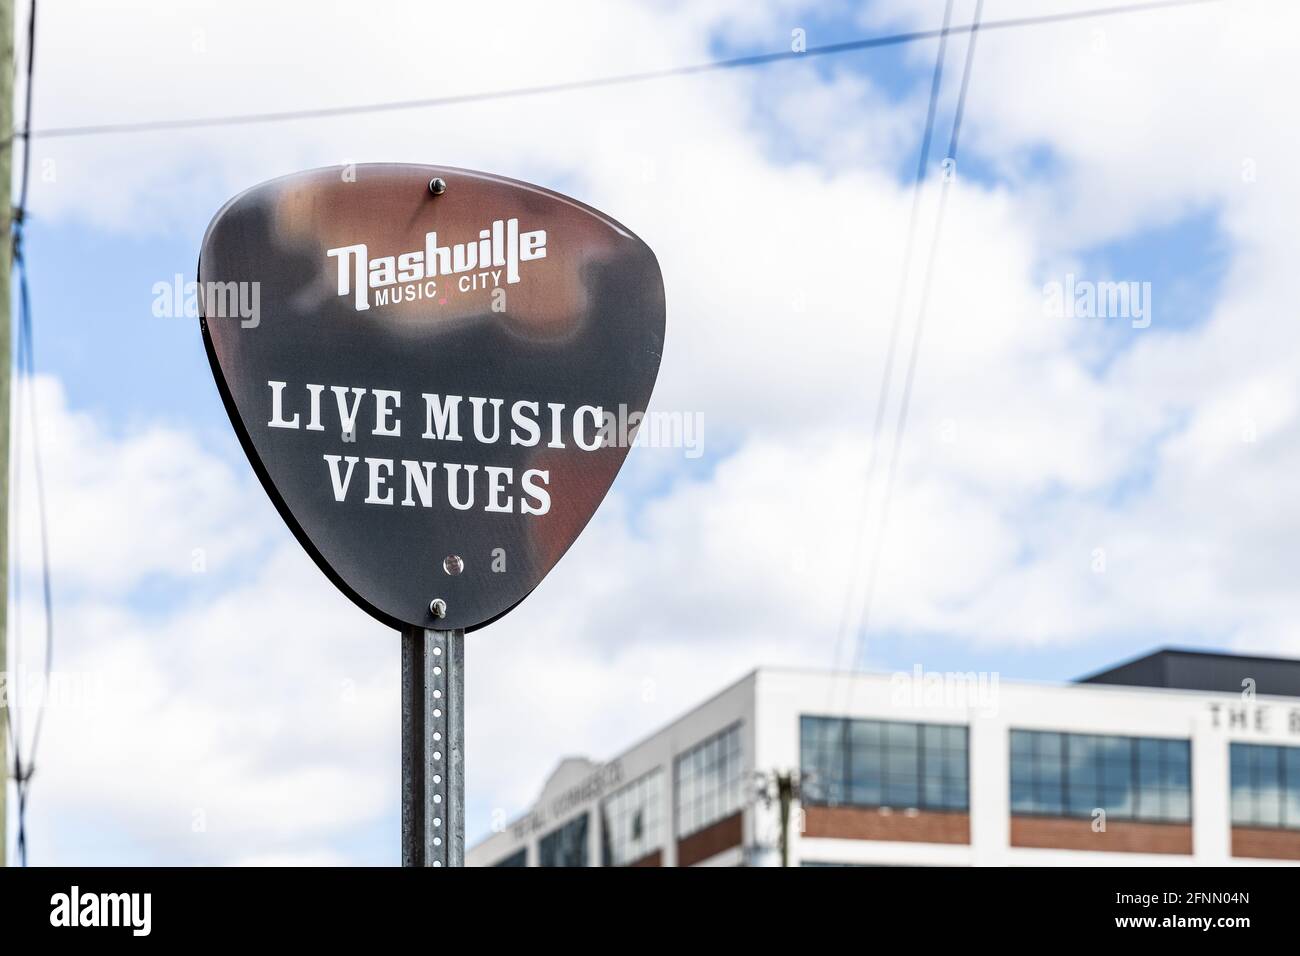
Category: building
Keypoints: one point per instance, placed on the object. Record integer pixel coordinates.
(1179, 757)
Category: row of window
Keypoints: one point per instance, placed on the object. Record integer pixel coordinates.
(709, 787)
(565, 845)
(630, 823)
(1265, 786)
(710, 782)
(876, 763)
(1074, 775)
(883, 763)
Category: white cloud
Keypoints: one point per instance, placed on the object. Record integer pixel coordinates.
(107, 489)
(258, 720)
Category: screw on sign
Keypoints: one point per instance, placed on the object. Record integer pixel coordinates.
(422, 396)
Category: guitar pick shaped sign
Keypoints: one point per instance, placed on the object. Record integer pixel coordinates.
(433, 372)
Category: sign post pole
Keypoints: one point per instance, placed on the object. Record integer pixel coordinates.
(433, 747)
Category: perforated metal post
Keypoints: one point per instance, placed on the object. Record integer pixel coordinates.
(433, 756)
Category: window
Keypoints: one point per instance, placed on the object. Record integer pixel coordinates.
(1265, 786)
(708, 782)
(883, 763)
(518, 858)
(1073, 775)
(630, 820)
(565, 845)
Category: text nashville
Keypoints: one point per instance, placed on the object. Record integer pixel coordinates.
(499, 247)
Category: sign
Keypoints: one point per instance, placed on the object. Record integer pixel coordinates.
(1259, 718)
(548, 811)
(435, 382)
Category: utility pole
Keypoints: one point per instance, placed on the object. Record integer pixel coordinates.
(6, 360)
(782, 789)
(785, 788)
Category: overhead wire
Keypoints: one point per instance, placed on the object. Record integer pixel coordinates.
(923, 311)
(886, 375)
(26, 400)
(622, 79)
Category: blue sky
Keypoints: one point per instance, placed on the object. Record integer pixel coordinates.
(1075, 437)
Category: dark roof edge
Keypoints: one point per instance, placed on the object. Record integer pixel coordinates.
(1185, 652)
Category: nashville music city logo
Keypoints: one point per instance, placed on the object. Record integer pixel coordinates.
(412, 276)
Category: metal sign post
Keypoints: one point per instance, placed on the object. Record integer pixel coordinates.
(433, 747)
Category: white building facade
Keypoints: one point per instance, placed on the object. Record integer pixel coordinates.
(932, 768)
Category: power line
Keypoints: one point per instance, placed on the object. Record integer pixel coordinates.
(623, 79)
(27, 109)
(26, 359)
(886, 376)
(900, 428)
(24, 768)
(26, 365)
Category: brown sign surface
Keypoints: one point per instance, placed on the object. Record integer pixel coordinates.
(431, 387)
